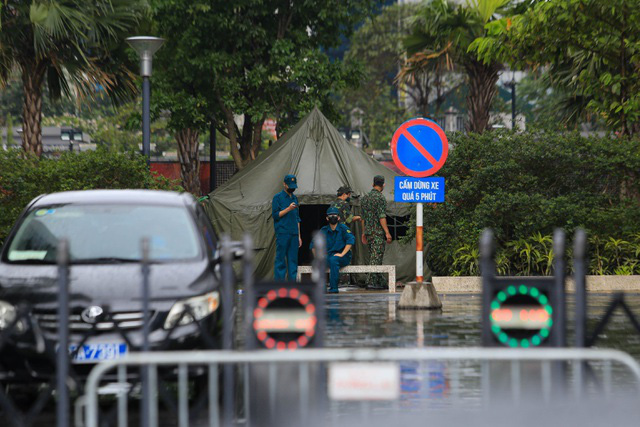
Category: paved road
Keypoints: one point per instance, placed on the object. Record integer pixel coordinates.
(373, 320)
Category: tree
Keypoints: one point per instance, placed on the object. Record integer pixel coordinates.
(591, 49)
(76, 45)
(250, 58)
(442, 34)
(376, 47)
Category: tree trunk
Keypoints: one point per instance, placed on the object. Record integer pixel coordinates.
(189, 161)
(482, 89)
(32, 78)
(245, 146)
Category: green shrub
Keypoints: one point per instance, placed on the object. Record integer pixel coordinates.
(525, 185)
(24, 177)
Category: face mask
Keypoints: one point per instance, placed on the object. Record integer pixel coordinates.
(333, 219)
(348, 199)
(291, 190)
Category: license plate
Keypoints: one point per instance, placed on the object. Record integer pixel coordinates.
(93, 353)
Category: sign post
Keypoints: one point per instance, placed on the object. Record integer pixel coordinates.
(419, 148)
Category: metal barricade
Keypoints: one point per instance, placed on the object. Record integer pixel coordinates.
(457, 380)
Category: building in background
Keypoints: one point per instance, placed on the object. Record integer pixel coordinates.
(55, 140)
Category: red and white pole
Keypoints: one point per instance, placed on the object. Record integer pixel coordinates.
(419, 262)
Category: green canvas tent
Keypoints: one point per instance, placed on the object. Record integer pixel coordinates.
(323, 161)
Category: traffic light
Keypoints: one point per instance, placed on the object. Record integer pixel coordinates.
(523, 312)
(284, 316)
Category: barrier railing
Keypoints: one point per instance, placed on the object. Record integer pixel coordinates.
(305, 388)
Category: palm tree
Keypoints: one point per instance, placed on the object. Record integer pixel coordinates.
(442, 34)
(76, 45)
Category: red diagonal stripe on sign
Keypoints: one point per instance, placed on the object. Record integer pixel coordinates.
(420, 148)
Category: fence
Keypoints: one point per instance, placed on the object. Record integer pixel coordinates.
(377, 385)
(261, 387)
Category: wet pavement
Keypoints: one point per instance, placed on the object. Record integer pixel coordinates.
(372, 319)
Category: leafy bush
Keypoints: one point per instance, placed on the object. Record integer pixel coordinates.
(525, 185)
(24, 177)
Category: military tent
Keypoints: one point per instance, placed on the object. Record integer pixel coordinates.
(323, 161)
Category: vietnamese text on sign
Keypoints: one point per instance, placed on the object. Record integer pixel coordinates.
(419, 190)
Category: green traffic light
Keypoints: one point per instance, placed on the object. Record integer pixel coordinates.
(502, 301)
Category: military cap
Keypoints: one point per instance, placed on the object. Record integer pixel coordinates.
(333, 211)
(291, 181)
(345, 189)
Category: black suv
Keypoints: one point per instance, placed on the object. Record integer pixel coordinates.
(104, 229)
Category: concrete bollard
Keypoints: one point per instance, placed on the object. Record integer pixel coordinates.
(419, 296)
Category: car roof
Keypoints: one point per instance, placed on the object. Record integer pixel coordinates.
(143, 197)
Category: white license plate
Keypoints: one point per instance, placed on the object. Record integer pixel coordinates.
(93, 353)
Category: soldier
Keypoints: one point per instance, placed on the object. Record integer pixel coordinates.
(286, 221)
(339, 240)
(342, 204)
(376, 232)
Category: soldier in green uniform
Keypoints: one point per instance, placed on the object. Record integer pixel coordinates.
(347, 218)
(342, 204)
(376, 232)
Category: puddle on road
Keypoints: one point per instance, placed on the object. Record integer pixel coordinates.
(373, 320)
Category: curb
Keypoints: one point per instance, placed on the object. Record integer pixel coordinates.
(595, 284)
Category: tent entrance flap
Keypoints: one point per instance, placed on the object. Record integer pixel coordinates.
(313, 218)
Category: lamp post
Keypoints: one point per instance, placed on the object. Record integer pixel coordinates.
(512, 85)
(212, 157)
(146, 47)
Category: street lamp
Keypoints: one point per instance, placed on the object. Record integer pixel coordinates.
(146, 47)
(512, 86)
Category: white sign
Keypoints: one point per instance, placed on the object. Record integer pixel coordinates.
(364, 381)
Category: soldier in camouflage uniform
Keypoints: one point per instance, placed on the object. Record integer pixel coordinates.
(342, 204)
(376, 232)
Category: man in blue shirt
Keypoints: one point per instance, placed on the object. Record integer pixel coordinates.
(339, 239)
(286, 221)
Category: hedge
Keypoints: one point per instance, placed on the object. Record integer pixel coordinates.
(525, 185)
(24, 177)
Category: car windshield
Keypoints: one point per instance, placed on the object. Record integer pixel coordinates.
(104, 234)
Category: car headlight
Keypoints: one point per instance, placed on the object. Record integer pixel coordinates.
(201, 306)
(8, 315)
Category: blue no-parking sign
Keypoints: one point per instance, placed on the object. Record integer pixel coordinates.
(419, 148)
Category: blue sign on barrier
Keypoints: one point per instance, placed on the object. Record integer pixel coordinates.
(418, 190)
